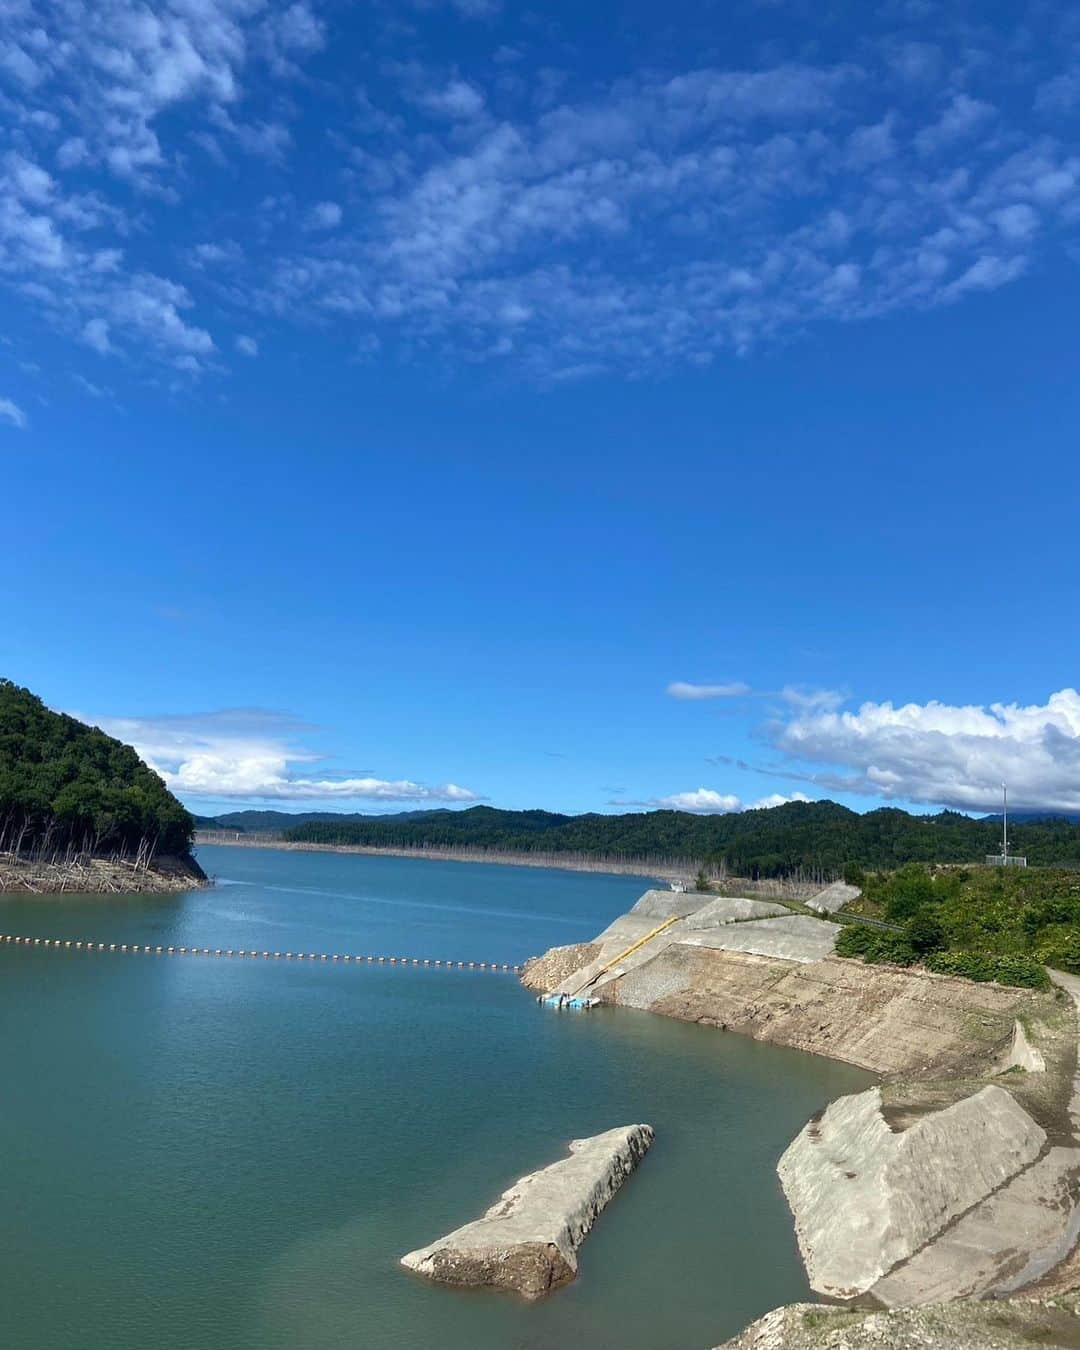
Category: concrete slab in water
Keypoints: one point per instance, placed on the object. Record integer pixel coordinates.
(528, 1240)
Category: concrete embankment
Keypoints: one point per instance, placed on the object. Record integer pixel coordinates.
(753, 967)
(866, 1197)
(959, 1176)
(528, 1240)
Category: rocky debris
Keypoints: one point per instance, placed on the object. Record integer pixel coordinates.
(545, 972)
(1013, 1324)
(528, 1240)
(1009, 1240)
(833, 897)
(866, 1198)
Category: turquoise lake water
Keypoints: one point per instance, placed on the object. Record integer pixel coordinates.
(232, 1155)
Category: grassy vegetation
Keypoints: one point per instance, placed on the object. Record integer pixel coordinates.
(985, 923)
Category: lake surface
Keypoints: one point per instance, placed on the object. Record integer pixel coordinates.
(231, 1155)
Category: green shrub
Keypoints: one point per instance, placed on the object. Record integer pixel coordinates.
(1060, 948)
(907, 891)
(1022, 971)
(925, 931)
(875, 945)
(854, 875)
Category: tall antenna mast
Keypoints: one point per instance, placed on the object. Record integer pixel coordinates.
(1005, 823)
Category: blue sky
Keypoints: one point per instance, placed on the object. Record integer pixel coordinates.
(570, 406)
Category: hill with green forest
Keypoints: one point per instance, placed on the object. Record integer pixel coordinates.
(817, 837)
(68, 786)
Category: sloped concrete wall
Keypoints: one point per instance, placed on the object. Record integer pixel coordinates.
(866, 1198)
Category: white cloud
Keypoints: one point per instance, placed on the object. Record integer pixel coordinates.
(704, 801)
(810, 699)
(95, 334)
(324, 216)
(947, 755)
(562, 223)
(765, 200)
(963, 117)
(289, 34)
(11, 412)
(246, 346)
(682, 690)
(456, 100)
(248, 755)
(115, 90)
(776, 799)
(986, 274)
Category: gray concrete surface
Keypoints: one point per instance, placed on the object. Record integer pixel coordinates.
(732, 909)
(1013, 1237)
(658, 905)
(834, 897)
(528, 1240)
(1022, 1054)
(797, 937)
(865, 1198)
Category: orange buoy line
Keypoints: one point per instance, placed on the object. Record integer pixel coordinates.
(134, 948)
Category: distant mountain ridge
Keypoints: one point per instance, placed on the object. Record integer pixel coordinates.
(819, 836)
(272, 822)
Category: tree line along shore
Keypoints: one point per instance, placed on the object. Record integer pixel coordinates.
(817, 839)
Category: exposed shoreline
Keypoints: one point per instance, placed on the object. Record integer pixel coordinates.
(98, 876)
(666, 870)
(663, 870)
(985, 1222)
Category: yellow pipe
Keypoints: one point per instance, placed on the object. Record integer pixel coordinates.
(634, 946)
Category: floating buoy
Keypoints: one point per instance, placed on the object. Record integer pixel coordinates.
(80, 944)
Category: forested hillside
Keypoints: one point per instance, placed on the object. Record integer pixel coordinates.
(820, 836)
(64, 785)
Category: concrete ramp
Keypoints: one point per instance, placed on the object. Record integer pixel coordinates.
(797, 937)
(833, 897)
(1012, 1238)
(657, 905)
(866, 1197)
(733, 909)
